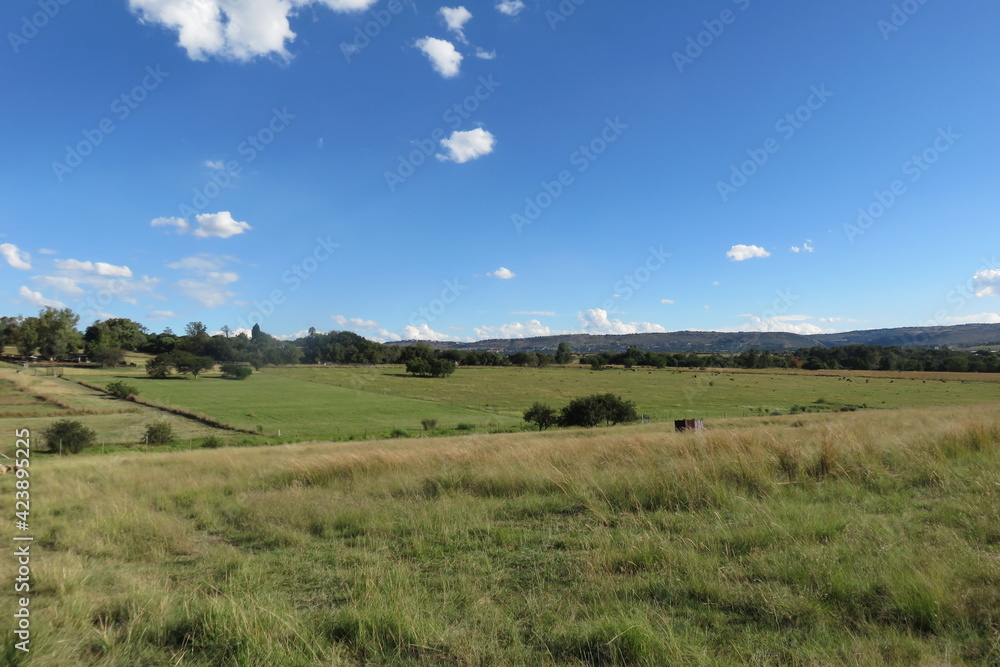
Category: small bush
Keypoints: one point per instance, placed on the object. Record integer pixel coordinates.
(212, 442)
(119, 389)
(399, 433)
(234, 371)
(159, 433)
(69, 435)
(429, 424)
(464, 426)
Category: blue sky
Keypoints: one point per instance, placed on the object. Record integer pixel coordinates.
(501, 169)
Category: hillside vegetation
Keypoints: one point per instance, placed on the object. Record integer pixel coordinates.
(859, 538)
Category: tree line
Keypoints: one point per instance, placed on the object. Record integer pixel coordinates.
(54, 334)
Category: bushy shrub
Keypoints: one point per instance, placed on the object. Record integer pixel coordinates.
(68, 435)
(234, 371)
(119, 389)
(212, 442)
(541, 415)
(159, 433)
(399, 433)
(429, 424)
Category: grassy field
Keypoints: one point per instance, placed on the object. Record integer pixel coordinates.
(663, 394)
(273, 402)
(852, 538)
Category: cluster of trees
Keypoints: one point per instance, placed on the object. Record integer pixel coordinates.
(847, 357)
(52, 333)
(588, 412)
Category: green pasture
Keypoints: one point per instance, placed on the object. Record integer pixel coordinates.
(662, 394)
(272, 402)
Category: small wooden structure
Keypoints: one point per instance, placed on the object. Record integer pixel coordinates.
(682, 425)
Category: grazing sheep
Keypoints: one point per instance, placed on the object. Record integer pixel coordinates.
(4, 468)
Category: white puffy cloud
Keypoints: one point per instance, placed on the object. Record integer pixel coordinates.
(510, 7)
(98, 268)
(217, 165)
(456, 18)
(445, 59)
(461, 147)
(219, 225)
(37, 299)
(64, 284)
(423, 332)
(485, 55)
(232, 29)
(798, 324)
(355, 322)
(514, 330)
(502, 273)
(806, 247)
(159, 315)
(739, 253)
(16, 257)
(595, 321)
(983, 282)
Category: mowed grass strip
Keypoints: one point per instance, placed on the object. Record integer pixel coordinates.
(276, 402)
(663, 394)
(862, 538)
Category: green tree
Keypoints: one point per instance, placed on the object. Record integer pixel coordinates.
(564, 354)
(541, 415)
(159, 366)
(25, 337)
(590, 411)
(191, 364)
(68, 435)
(57, 334)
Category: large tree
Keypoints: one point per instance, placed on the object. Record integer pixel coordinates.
(57, 334)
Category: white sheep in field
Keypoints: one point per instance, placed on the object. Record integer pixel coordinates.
(4, 468)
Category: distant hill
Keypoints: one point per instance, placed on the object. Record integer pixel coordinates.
(959, 336)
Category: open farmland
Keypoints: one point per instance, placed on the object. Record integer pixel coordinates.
(861, 538)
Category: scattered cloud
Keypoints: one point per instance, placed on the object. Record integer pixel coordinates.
(595, 321)
(206, 281)
(739, 253)
(217, 165)
(180, 223)
(798, 324)
(16, 257)
(456, 18)
(160, 315)
(461, 147)
(355, 322)
(384, 335)
(445, 59)
(806, 247)
(667, 301)
(514, 330)
(219, 225)
(502, 274)
(982, 318)
(232, 30)
(97, 268)
(47, 251)
(510, 7)
(984, 280)
(37, 299)
(64, 284)
(319, 143)
(485, 55)
(423, 332)
(538, 313)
